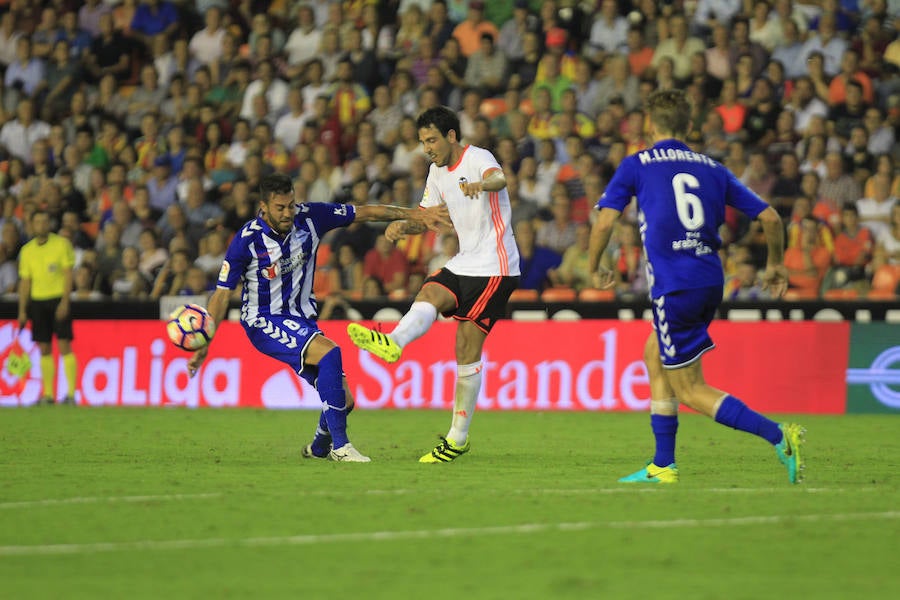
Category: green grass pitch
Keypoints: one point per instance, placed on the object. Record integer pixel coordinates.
(155, 503)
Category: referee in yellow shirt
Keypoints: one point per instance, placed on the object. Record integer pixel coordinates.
(45, 283)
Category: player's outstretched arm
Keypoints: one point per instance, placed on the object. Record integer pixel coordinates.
(601, 232)
(492, 181)
(217, 309)
(432, 217)
(414, 220)
(775, 279)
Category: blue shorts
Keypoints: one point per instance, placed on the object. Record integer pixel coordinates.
(681, 320)
(285, 338)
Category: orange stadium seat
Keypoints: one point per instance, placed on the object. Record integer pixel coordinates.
(885, 279)
(881, 295)
(524, 296)
(595, 295)
(559, 294)
(841, 294)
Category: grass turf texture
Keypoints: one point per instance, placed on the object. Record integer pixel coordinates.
(533, 511)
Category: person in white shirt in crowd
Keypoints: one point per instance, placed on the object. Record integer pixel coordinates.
(206, 44)
(303, 42)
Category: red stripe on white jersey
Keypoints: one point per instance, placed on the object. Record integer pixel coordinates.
(497, 218)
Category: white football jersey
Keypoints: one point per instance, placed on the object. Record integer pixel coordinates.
(486, 244)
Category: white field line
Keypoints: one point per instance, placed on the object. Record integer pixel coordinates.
(386, 536)
(104, 500)
(401, 491)
(625, 489)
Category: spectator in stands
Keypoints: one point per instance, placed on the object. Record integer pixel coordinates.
(128, 282)
(850, 71)
(196, 283)
(25, 76)
(486, 68)
(206, 44)
(266, 84)
(853, 246)
(679, 47)
(110, 52)
(303, 42)
(843, 117)
(152, 256)
(439, 27)
(573, 270)
(153, 18)
(83, 285)
(9, 37)
(468, 32)
(512, 32)
(558, 233)
(884, 164)
(876, 211)
(805, 105)
(745, 284)
(172, 277)
(17, 136)
(887, 242)
(786, 187)
(757, 175)
(617, 83)
(77, 39)
(837, 188)
(535, 262)
(807, 262)
(828, 43)
(881, 137)
(348, 272)
(387, 265)
(609, 33)
(730, 109)
(89, 16)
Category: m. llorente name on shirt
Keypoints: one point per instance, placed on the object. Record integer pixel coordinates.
(673, 154)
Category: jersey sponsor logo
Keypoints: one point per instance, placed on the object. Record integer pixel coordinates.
(223, 272)
(270, 272)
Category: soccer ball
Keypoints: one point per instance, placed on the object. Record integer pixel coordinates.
(190, 327)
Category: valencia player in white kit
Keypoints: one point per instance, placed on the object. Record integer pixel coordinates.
(474, 286)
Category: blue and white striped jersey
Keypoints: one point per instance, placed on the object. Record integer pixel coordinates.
(277, 272)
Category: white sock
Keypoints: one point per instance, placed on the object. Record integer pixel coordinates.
(414, 323)
(468, 385)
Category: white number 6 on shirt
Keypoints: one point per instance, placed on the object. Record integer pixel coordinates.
(689, 206)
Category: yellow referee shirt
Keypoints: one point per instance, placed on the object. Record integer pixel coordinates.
(45, 265)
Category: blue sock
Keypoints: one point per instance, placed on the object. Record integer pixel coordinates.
(321, 444)
(330, 384)
(664, 429)
(737, 415)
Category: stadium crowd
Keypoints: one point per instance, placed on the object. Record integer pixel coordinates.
(144, 127)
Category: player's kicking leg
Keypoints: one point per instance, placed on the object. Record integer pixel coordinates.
(787, 438)
(412, 326)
